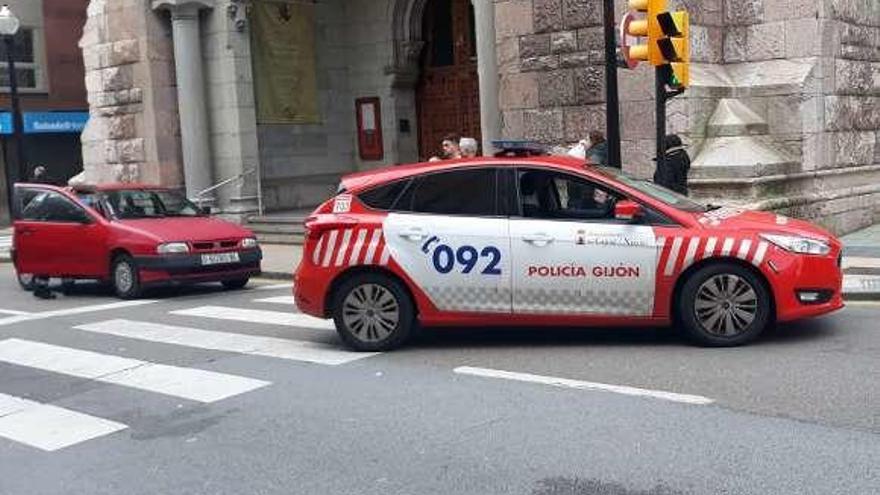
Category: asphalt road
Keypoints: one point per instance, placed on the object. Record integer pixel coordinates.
(202, 391)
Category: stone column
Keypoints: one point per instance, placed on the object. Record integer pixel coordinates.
(194, 131)
(487, 70)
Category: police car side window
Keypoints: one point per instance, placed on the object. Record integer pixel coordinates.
(383, 197)
(549, 195)
(460, 192)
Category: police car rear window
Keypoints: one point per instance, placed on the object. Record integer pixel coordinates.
(383, 197)
(462, 192)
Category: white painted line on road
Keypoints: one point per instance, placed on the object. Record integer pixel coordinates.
(277, 300)
(255, 345)
(187, 383)
(13, 312)
(49, 427)
(286, 285)
(297, 320)
(582, 385)
(74, 311)
(860, 262)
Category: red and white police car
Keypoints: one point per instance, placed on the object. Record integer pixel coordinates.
(549, 240)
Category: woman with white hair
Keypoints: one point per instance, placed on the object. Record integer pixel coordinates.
(469, 147)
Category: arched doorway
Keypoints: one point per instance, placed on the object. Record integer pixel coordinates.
(448, 91)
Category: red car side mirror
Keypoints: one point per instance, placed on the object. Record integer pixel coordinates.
(627, 210)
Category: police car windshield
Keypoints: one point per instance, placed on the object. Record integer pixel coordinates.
(648, 188)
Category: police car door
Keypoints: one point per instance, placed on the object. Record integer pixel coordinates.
(570, 256)
(446, 233)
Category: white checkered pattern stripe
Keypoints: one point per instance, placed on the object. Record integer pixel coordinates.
(606, 302)
(476, 299)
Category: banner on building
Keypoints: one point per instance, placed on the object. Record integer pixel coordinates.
(283, 51)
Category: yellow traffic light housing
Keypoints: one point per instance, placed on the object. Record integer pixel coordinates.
(674, 46)
(646, 28)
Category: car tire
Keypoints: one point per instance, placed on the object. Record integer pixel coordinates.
(724, 305)
(25, 280)
(360, 325)
(124, 277)
(235, 284)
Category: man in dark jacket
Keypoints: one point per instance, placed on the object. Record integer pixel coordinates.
(674, 172)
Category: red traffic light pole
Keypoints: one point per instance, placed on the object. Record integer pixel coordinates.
(612, 97)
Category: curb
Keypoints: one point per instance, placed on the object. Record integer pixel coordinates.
(276, 275)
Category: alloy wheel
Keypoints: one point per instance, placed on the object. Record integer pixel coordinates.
(726, 305)
(371, 312)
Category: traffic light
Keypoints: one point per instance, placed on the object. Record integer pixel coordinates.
(648, 27)
(668, 40)
(674, 47)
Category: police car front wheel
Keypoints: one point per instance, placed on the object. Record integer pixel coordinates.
(723, 305)
(373, 312)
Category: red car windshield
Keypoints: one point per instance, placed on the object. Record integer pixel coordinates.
(660, 193)
(134, 204)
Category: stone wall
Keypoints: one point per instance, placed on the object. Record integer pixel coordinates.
(132, 134)
(552, 76)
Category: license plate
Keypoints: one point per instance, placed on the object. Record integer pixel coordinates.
(219, 258)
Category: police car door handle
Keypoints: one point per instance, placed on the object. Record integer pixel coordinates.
(539, 240)
(413, 234)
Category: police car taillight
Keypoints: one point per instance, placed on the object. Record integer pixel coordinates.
(315, 226)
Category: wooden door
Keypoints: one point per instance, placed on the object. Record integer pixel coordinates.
(448, 94)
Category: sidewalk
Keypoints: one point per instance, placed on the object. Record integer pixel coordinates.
(861, 264)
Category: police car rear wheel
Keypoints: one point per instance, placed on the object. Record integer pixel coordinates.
(373, 312)
(724, 305)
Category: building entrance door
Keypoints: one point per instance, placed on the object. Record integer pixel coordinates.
(448, 94)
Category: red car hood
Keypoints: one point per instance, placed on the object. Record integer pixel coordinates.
(187, 229)
(760, 222)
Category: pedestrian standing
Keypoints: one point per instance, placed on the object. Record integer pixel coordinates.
(673, 174)
(468, 147)
(597, 151)
(39, 175)
(451, 148)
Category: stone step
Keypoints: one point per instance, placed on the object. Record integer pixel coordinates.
(276, 228)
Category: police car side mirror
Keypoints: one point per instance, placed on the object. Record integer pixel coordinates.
(628, 211)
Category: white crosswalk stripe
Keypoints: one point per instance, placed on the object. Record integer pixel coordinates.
(49, 427)
(255, 345)
(188, 383)
(277, 300)
(296, 320)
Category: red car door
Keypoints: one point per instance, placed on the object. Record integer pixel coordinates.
(56, 236)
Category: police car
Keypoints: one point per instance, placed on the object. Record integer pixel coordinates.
(532, 240)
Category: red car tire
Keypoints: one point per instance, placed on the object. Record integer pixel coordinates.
(724, 305)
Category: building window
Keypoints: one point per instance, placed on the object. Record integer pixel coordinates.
(25, 61)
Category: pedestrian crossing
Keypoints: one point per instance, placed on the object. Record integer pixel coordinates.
(50, 427)
(5, 245)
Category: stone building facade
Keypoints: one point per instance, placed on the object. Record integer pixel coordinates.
(783, 112)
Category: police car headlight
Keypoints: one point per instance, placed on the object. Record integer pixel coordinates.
(248, 243)
(799, 245)
(172, 248)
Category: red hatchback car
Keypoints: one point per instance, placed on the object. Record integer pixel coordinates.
(553, 241)
(132, 237)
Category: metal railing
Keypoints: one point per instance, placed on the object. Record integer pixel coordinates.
(200, 196)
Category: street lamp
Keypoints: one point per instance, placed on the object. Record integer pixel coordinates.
(9, 25)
